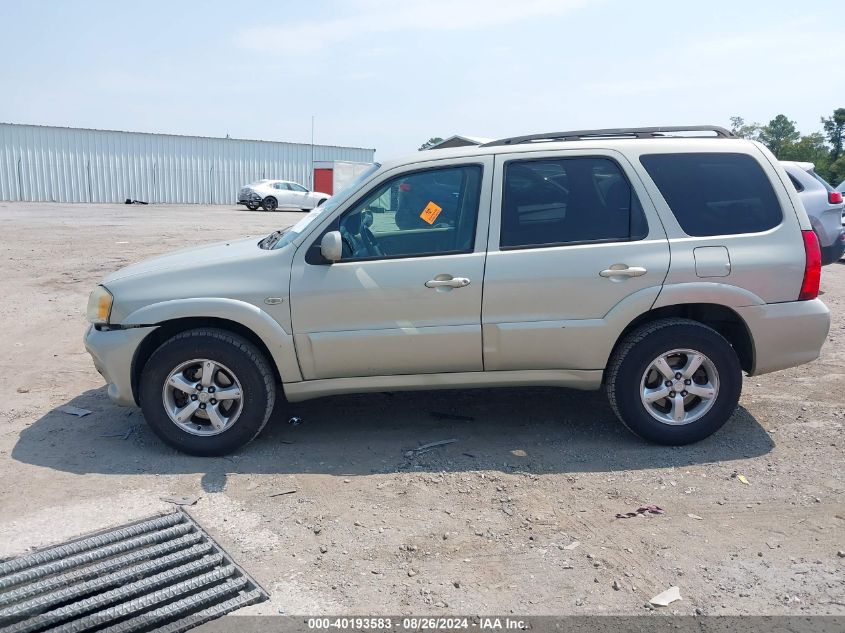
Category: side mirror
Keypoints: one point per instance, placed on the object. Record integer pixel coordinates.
(331, 247)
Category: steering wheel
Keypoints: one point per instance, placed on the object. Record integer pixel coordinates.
(370, 243)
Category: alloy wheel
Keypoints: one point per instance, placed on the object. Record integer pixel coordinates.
(202, 397)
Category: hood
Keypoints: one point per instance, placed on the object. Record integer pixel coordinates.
(188, 259)
(237, 269)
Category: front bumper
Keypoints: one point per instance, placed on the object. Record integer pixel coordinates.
(834, 252)
(786, 334)
(112, 352)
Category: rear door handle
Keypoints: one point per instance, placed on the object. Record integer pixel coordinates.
(623, 270)
(448, 282)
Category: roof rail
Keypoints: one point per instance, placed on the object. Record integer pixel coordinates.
(621, 132)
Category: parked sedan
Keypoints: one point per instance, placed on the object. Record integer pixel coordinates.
(280, 194)
(824, 207)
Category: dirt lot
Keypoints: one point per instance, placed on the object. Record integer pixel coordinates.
(486, 524)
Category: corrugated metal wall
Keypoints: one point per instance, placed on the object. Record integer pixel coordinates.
(56, 164)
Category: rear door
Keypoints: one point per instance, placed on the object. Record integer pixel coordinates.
(283, 194)
(570, 239)
(299, 196)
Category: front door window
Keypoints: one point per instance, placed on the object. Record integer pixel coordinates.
(430, 212)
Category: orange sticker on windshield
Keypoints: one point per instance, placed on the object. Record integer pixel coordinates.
(430, 213)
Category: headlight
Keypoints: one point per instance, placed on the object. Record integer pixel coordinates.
(99, 306)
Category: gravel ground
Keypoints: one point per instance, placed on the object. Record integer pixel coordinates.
(516, 516)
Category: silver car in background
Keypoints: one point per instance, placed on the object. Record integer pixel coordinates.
(824, 206)
(280, 194)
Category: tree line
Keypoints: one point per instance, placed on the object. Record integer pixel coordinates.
(823, 148)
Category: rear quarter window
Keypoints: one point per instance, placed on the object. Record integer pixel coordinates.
(715, 193)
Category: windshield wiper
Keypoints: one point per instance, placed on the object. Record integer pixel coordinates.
(270, 241)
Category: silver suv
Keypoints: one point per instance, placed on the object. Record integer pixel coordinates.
(824, 207)
(657, 263)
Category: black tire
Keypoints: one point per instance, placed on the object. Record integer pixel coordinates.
(321, 201)
(640, 348)
(269, 203)
(252, 369)
(252, 206)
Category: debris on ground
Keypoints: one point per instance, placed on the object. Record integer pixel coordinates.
(451, 416)
(742, 479)
(667, 597)
(695, 516)
(518, 452)
(131, 201)
(616, 585)
(642, 511)
(124, 435)
(419, 450)
(279, 494)
(23, 390)
(182, 501)
(295, 421)
(72, 410)
(571, 546)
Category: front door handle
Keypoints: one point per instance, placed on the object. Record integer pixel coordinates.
(623, 270)
(445, 281)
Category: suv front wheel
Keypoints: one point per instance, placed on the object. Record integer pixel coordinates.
(674, 381)
(207, 391)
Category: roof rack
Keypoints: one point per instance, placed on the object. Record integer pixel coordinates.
(621, 132)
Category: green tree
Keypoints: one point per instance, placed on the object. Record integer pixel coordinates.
(834, 128)
(434, 140)
(743, 130)
(809, 149)
(836, 171)
(778, 134)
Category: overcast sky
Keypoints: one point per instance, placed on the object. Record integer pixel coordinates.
(389, 74)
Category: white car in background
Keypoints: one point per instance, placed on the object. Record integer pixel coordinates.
(280, 194)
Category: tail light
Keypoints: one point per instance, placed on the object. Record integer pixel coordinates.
(812, 267)
(834, 197)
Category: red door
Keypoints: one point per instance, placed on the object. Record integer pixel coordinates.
(323, 180)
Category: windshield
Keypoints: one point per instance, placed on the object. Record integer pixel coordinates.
(286, 236)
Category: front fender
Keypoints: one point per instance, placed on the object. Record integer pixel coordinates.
(275, 338)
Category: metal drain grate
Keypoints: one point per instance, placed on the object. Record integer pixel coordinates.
(162, 574)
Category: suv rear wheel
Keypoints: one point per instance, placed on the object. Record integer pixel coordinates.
(674, 381)
(207, 391)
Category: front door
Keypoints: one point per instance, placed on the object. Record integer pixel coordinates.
(406, 296)
(570, 242)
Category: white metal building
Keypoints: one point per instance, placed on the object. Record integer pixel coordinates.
(59, 164)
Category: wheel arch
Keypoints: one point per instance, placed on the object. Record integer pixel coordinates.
(168, 329)
(725, 320)
(238, 317)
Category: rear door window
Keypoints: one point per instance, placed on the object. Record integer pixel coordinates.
(559, 201)
(715, 193)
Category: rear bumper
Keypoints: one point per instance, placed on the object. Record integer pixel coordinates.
(834, 252)
(113, 352)
(786, 334)
(249, 198)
